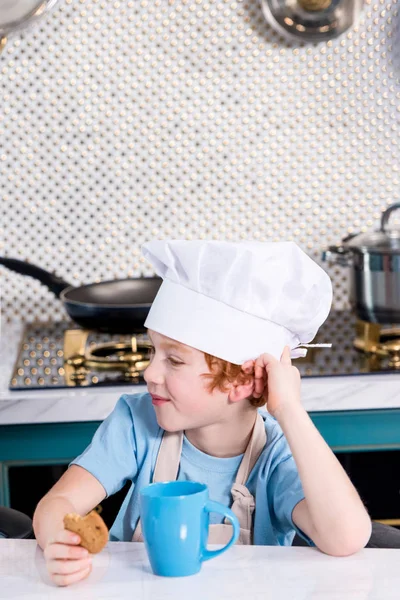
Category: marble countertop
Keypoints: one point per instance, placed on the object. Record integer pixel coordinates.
(354, 392)
(122, 571)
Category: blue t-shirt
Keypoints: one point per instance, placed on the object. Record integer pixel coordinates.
(125, 447)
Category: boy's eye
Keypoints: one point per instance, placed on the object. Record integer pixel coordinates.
(174, 362)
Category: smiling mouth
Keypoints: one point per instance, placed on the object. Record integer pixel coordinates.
(158, 400)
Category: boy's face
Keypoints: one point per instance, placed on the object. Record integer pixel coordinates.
(175, 374)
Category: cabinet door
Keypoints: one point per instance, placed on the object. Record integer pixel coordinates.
(28, 484)
(376, 475)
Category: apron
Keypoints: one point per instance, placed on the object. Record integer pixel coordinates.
(167, 467)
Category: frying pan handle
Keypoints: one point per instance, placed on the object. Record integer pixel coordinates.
(54, 283)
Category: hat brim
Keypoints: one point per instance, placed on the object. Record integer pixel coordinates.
(214, 327)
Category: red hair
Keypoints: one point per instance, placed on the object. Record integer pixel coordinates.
(223, 372)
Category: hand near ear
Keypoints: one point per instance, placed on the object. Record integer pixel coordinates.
(281, 378)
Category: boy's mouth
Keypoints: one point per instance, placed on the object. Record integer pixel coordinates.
(158, 400)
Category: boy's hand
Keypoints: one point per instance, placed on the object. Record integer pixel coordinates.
(66, 561)
(279, 381)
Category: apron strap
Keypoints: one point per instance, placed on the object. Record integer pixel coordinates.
(169, 457)
(243, 502)
(243, 506)
(169, 454)
(166, 468)
(254, 448)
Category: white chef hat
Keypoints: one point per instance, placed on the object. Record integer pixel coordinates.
(237, 300)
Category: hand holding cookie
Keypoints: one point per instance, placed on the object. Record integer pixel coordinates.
(66, 561)
(68, 557)
(91, 529)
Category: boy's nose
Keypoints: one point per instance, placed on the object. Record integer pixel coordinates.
(153, 374)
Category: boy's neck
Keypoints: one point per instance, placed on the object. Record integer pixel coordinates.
(224, 439)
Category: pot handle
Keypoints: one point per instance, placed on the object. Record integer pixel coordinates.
(337, 254)
(54, 283)
(386, 215)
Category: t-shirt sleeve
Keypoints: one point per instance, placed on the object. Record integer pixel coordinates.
(111, 455)
(287, 492)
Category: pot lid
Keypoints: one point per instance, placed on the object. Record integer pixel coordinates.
(384, 240)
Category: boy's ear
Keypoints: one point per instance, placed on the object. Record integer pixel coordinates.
(240, 392)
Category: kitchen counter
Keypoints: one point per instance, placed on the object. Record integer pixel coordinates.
(319, 394)
(122, 570)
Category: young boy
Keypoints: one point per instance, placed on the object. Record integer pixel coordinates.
(224, 326)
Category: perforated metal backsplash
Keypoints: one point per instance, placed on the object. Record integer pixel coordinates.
(126, 121)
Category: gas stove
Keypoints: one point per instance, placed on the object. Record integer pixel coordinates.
(61, 355)
(358, 348)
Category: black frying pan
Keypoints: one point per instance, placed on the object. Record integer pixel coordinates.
(118, 306)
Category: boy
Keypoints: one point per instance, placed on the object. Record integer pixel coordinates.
(224, 326)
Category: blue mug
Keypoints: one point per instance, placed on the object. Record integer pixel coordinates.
(175, 519)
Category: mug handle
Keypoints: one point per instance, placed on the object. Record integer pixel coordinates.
(212, 506)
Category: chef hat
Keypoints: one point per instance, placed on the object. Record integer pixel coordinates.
(237, 300)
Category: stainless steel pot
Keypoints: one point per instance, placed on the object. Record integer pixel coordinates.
(374, 259)
(18, 14)
(311, 20)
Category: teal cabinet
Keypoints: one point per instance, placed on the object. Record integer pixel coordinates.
(59, 443)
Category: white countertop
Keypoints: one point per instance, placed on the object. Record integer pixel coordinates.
(122, 571)
(355, 392)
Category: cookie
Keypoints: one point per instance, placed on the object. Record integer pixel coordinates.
(91, 529)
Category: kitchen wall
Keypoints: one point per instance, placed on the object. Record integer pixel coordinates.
(122, 121)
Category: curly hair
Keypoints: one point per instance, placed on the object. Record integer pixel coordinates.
(223, 372)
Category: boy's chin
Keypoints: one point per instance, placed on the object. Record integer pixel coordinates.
(168, 424)
(173, 426)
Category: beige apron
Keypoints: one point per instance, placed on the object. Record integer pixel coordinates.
(167, 467)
